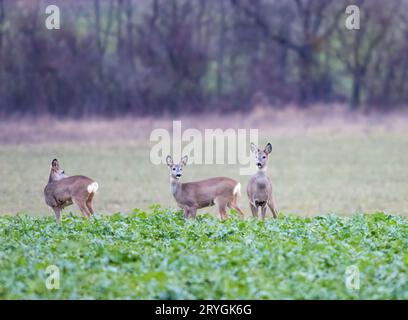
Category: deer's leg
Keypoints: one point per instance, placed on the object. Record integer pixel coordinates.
(84, 209)
(263, 211)
(233, 205)
(89, 203)
(57, 212)
(272, 206)
(222, 207)
(193, 212)
(223, 212)
(254, 210)
(81, 203)
(186, 212)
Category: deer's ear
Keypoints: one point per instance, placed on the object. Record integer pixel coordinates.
(268, 148)
(169, 161)
(55, 163)
(184, 160)
(254, 148)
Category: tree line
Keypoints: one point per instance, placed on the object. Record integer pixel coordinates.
(120, 57)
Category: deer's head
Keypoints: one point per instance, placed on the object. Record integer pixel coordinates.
(176, 169)
(261, 156)
(57, 173)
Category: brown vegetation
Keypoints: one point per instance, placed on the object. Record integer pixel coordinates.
(158, 57)
(287, 121)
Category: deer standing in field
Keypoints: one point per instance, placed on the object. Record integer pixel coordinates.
(259, 187)
(190, 196)
(62, 191)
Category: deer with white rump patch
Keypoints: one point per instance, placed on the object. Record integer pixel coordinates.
(62, 191)
(259, 187)
(190, 196)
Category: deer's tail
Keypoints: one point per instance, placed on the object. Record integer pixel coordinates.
(237, 190)
(93, 187)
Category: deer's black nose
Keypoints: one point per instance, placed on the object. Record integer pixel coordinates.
(178, 175)
(63, 172)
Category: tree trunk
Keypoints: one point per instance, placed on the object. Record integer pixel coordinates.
(306, 78)
(2, 16)
(220, 69)
(356, 92)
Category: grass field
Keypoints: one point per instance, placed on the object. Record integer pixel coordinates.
(159, 255)
(315, 168)
(331, 179)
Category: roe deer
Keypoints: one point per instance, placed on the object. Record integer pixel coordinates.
(191, 196)
(62, 191)
(259, 187)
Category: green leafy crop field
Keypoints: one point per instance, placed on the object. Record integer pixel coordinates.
(159, 255)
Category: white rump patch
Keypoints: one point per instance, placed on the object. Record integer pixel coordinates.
(237, 190)
(93, 187)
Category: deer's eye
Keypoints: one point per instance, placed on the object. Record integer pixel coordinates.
(263, 157)
(174, 169)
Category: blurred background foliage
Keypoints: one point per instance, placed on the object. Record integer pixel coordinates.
(158, 57)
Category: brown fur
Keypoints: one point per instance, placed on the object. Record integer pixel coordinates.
(259, 189)
(191, 196)
(62, 191)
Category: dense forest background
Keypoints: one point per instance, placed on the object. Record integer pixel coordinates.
(141, 57)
